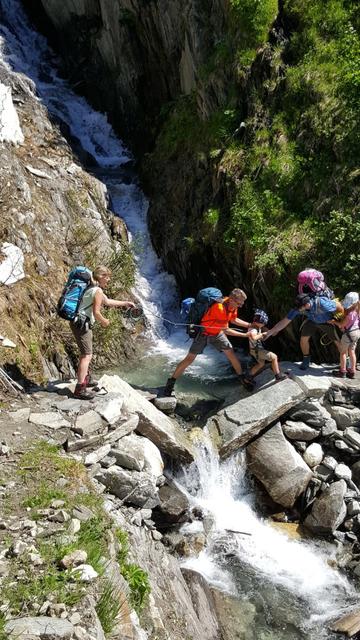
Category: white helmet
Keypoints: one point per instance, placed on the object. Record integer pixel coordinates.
(350, 299)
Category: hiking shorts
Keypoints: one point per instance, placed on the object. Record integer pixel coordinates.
(349, 340)
(220, 342)
(84, 339)
(310, 329)
(261, 355)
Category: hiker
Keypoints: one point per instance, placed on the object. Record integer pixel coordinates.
(351, 334)
(215, 329)
(318, 311)
(90, 311)
(258, 351)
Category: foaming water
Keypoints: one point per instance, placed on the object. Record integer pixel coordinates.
(299, 569)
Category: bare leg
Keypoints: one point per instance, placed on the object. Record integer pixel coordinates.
(83, 368)
(256, 368)
(343, 361)
(275, 365)
(184, 364)
(305, 345)
(352, 356)
(234, 361)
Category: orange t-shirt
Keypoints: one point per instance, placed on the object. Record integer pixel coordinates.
(217, 318)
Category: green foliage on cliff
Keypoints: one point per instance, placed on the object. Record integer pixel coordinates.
(282, 192)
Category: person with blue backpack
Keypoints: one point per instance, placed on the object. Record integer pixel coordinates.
(209, 318)
(319, 310)
(81, 303)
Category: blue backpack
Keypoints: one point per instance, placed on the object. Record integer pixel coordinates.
(78, 281)
(194, 309)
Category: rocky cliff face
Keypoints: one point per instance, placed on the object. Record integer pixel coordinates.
(55, 214)
(133, 57)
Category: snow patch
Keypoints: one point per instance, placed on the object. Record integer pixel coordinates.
(12, 268)
(10, 130)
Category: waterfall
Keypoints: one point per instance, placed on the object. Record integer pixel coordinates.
(243, 565)
(298, 570)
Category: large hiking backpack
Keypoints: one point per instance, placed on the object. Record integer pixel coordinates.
(194, 309)
(313, 283)
(78, 281)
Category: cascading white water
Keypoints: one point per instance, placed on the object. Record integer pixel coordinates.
(295, 567)
(298, 568)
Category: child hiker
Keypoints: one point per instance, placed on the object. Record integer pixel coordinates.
(259, 351)
(350, 325)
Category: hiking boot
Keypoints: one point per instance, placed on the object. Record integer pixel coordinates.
(305, 363)
(339, 374)
(168, 390)
(90, 382)
(83, 393)
(280, 376)
(350, 374)
(247, 381)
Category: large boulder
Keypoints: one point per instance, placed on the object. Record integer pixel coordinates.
(241, 421)
(133, 487)
(278, 466)
(173, 507)
(346, 416)
(329, 509)
(299, 431)
(139, 453)
(313, 413)
(161, 430)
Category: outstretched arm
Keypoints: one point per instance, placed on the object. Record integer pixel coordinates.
(114, 304)
(241, 323)
(235, 333)
(278, 327)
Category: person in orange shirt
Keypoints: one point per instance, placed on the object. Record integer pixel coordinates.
(215, 329)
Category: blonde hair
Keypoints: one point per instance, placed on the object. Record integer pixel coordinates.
(101, 271)
(238, 294)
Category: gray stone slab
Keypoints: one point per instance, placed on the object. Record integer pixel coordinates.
(51, 419)
(241, 421)
(71, 405)
(21, 415)
(123, 429)
(88, 422)
(352, 437)
(41, 627)
(315, 381)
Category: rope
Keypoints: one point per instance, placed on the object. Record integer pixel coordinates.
(136, 313)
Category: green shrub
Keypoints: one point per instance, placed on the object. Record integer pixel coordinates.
(138, 582)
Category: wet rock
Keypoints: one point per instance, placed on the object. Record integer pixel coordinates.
(204, 605)
(42, 627)
(313, 455)
(278, 466)
(329, 509)
(241, 421)
(299, 431)
(134, 487)
(166, 405)
(172, 509)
